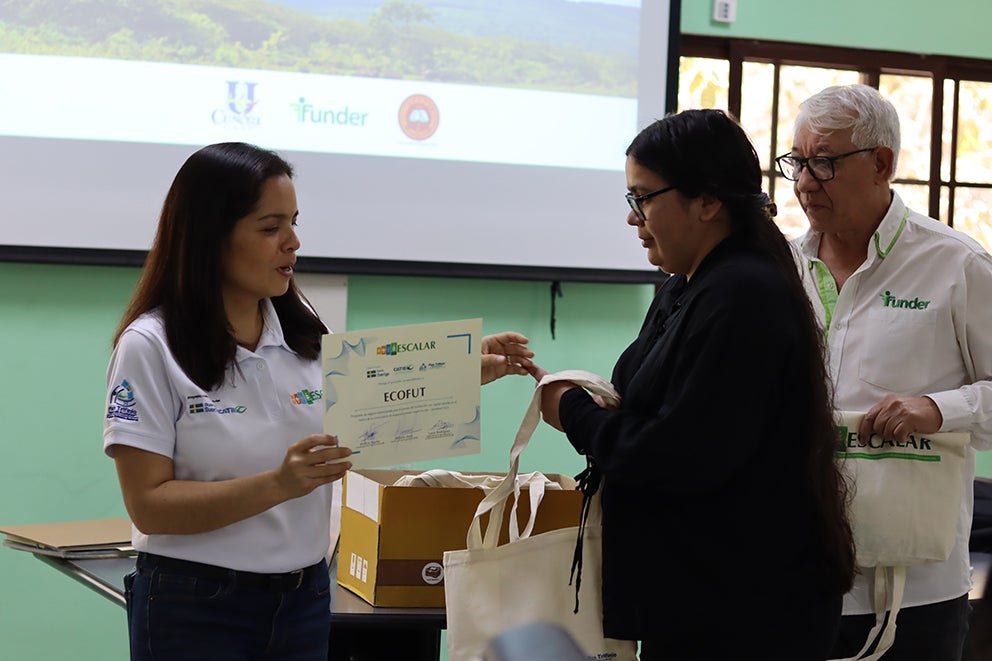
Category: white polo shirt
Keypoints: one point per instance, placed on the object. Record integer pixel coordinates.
(914, 319)
(269, 400)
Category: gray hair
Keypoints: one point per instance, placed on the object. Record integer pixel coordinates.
(873, 118)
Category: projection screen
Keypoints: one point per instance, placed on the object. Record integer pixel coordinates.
(464, 138)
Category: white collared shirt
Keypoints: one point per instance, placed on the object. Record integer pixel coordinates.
(269, 400)
(914, 319)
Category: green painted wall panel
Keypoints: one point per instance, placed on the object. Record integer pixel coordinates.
(952, 27)
(56, 324)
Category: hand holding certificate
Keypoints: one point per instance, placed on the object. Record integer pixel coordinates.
(404, 394)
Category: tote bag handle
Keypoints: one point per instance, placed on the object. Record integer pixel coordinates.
(495, 501)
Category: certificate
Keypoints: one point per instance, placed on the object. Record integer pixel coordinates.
(403, 394)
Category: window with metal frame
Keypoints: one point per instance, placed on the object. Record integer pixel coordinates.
(944, 104)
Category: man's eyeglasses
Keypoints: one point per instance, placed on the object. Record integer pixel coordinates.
(635, 201)
(820, 167)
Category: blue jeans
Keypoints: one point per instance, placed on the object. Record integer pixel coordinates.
(201, 612)
(934, 632)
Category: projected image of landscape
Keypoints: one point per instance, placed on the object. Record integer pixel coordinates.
(535, 44)
(414, 121)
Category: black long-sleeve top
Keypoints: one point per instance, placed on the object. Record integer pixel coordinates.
(706, 515)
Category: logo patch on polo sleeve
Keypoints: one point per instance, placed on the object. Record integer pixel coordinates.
(122, 403)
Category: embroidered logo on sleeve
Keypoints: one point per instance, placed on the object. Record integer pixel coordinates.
(122, 403)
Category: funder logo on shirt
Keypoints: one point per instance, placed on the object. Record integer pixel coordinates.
(890, 301)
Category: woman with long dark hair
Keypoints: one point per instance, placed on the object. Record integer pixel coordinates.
(725, 533)
(213, 419)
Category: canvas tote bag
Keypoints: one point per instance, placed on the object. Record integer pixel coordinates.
(489, 589)
(893, 526)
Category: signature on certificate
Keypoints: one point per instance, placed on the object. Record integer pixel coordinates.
(442, 425)
(370, 434)
(406, 429)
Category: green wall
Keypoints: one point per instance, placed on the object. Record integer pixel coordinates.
(952, 27)
(56, 323)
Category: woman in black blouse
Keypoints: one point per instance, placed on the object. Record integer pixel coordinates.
(725, 533)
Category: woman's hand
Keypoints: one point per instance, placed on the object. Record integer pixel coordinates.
(537, 372)
(603, 404)
(504, 353)
(551, 398)
(158, 503)
(310, 463)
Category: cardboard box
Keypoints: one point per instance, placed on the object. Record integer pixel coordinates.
(393, 538)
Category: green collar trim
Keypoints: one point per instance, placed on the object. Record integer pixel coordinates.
(902, 225)
(825, 280)
(828, 291)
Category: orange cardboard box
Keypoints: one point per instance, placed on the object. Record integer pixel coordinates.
(393, 538)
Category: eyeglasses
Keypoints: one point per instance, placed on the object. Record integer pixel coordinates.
(635, 201)
(820, 167)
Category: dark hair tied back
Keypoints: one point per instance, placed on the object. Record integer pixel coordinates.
(706, 152)
(766, 203)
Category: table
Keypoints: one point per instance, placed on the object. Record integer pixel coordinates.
(359, 631)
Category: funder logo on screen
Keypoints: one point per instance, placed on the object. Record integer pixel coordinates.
(419, 117)
(309, 113)
(238, 106)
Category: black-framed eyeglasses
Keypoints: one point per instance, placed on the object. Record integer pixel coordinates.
(635, 201)
(820, 167)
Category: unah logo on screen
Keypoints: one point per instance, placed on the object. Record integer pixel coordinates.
(419, 117)
(122, 403)
(238, 106)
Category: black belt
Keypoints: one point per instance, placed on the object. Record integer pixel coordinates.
(275, 582)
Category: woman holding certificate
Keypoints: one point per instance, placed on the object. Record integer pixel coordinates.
(225, 475)
(725, 533)
(223, 467)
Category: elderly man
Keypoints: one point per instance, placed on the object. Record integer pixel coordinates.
(907, 307)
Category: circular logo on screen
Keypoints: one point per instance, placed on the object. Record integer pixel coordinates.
(432, 573)
(419, 117)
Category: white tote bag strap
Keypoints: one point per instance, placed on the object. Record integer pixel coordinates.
(888, 634)
(536, 483)
(495, 501)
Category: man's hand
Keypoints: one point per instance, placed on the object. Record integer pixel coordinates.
(895, 417)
